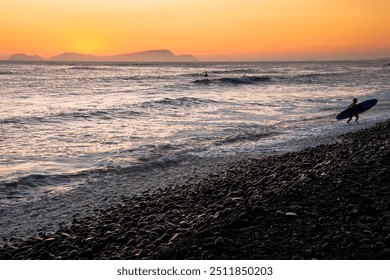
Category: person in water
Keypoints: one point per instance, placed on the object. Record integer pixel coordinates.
(355, 112)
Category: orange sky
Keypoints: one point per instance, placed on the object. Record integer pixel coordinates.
(208, 29)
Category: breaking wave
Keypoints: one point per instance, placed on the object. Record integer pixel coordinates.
(234, 80)
(178, 102)
(6, 73)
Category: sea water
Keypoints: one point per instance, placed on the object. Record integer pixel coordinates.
(63, 121)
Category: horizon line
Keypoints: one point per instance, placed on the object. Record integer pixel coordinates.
(201, 58)
(197, 58)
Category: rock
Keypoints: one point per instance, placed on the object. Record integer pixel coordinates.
(326, 246)
(175, 236)
(184, 224)
(139, 253)
(386, 229)
(220, 242)
(315, 214)
(291, 214)
(209, 246)
(337, 239)
(385, 253)
(365, 241)
(279, 213)
(73, 254)
(387, 241)
(379, 246)
(363, 226)
(88, 254)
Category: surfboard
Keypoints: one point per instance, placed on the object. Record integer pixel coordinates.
(362, 107)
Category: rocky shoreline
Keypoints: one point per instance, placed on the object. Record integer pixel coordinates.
(326, 202)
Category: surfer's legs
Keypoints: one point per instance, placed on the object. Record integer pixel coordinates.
(356, 116)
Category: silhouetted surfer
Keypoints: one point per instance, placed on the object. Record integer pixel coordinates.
(355, 111)
(206, 75)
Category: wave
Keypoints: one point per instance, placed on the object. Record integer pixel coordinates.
(31, 181)
(82, 68)
(12, 120)
(24, 120)
(6, 73)
(234, 80)
(73, 115)
(244, 137)
(22, 187)
(243, 71)
(316, 77)
(178, 102)
(242, 80)
(93, 68)
(233, 71)
(239, 134)
(31, 186)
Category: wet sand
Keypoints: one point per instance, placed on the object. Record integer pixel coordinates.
(326, 202)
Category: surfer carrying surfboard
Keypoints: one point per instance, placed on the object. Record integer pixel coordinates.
(355, 111)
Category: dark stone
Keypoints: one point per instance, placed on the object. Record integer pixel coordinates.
(209, 246)
(337, 238)
(140, 253)
(386, 229)
(385, 253)
(220, 242)
(73, 254)
(387, 241)
(184, 224)
(88, 254)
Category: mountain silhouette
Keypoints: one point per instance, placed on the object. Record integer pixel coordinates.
(153, 55)
(143, 56)
(25, 57)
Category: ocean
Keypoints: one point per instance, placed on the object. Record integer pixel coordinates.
(63, 122)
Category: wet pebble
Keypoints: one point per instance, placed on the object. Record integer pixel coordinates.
(220, 242)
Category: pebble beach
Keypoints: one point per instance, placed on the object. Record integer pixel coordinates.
(324, 202)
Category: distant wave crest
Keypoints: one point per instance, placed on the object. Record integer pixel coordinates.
(244, 137)
(178, 102)
(234, 80)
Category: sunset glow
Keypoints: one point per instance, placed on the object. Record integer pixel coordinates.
(208, 29)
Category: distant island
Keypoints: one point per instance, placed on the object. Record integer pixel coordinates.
(144, 56)
(25, 57)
